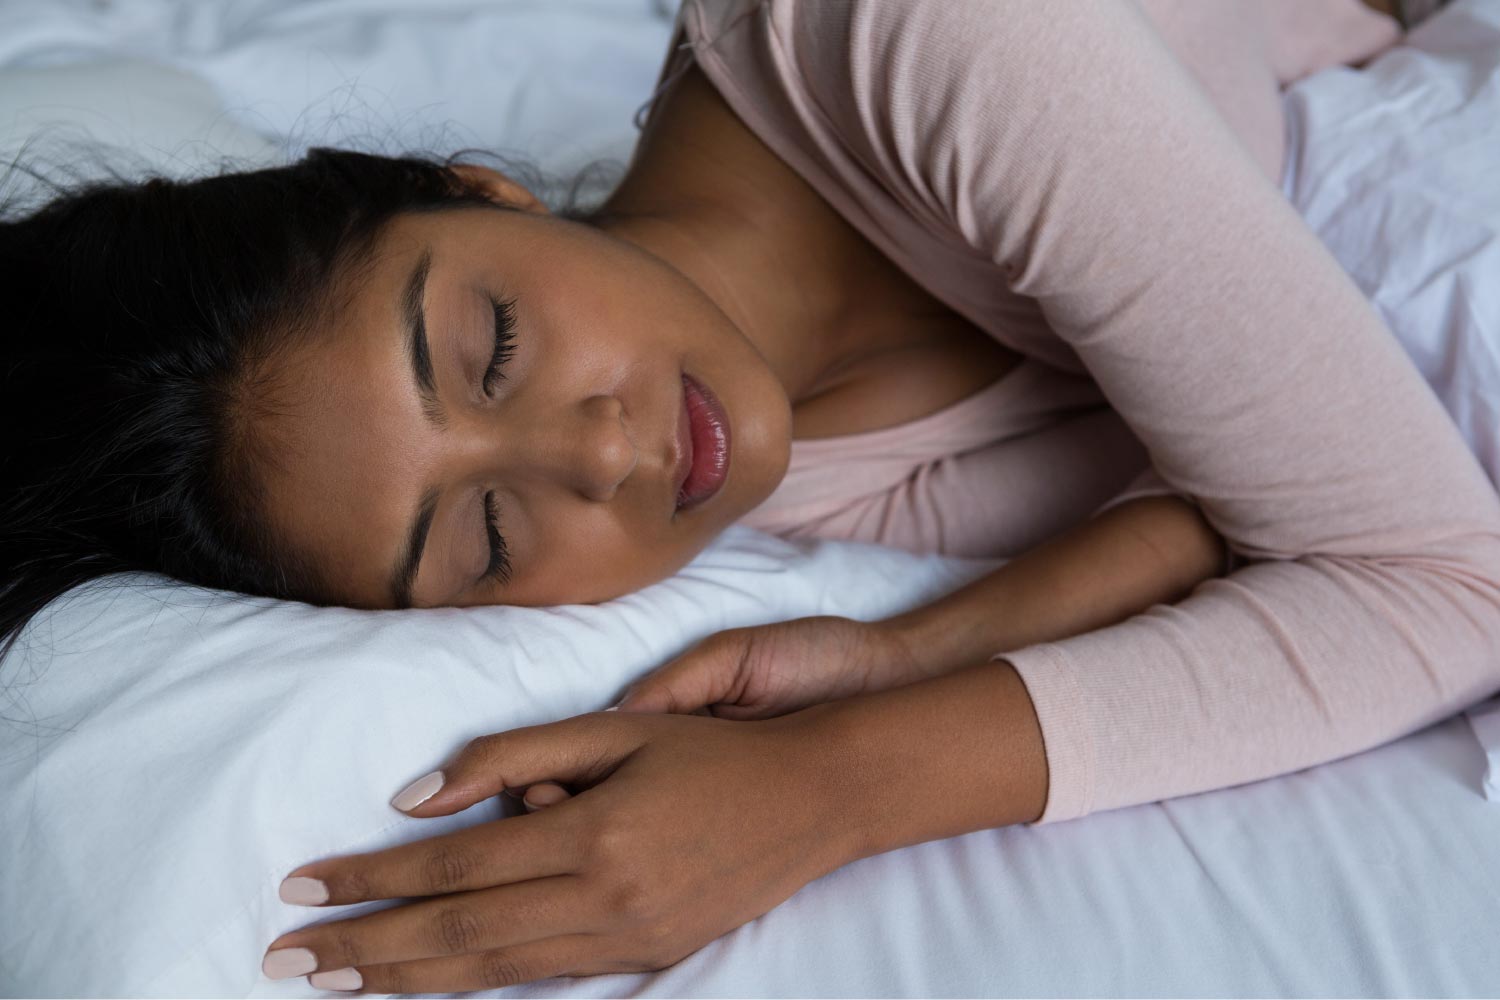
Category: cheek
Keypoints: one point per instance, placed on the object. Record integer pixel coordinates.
(588, 559)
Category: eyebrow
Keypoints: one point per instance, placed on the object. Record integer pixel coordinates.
(404, 576)
(416, 341)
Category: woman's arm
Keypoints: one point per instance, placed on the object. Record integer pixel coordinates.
(1147, 551)
(1068, 146)
(1137, 552)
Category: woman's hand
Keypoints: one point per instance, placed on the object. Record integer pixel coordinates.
(682, 828)
(767, 670)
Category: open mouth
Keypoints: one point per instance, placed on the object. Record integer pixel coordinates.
(703, 433)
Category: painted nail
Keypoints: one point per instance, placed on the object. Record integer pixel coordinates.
(418, 791)
(543, 795)
(284, 963)
(338, 979)
(303, 891)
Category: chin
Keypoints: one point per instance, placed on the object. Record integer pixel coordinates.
(777, 455)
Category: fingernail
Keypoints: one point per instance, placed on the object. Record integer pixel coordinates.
(284, 963)
(338, 979)
(531, 807)
(303, 891)
(418, 791)
(612, 708)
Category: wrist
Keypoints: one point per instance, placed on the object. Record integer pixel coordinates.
(907, 657)
(952, 633)
(938, 758)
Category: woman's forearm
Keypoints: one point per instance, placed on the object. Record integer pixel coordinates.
(1151, 550)
(959, 747)
(937, 758)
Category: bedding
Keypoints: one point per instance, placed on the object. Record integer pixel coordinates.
(169, 753)
(1395, 166)
(554, 82)
(147, 116)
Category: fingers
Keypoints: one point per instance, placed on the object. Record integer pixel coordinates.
(490, 854)
(575, 954)
(704, 675)
(503, 917)
(582, 750)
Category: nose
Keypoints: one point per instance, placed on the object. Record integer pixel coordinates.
(586, 448)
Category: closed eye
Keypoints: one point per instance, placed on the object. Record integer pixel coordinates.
(505, 336)
(498, 570)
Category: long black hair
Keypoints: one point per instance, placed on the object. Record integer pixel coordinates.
(141, 318)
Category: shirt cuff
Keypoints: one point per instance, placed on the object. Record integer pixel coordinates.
(1066, 729)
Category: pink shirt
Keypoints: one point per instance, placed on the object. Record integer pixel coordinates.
(995, 474)
(1089, 184)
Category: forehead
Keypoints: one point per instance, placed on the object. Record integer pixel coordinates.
(345, 431)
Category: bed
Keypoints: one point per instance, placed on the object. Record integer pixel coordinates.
(169, 753)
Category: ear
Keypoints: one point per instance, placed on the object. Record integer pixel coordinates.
(500, 187)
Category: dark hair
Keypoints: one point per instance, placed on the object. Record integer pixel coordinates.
(141, 317)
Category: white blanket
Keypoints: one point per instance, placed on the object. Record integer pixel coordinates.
(1397, 168)
(172, 753)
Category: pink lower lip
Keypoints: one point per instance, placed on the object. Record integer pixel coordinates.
(708, 435)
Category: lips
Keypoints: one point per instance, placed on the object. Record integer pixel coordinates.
(703, 439)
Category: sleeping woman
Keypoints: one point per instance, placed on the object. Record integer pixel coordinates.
(1012, 282)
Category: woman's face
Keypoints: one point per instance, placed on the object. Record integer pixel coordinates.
(578, 447)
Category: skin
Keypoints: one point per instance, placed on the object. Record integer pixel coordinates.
(711, 258)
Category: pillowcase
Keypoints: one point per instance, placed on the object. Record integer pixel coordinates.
(172, 752)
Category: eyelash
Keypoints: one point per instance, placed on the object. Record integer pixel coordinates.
(498, 570)
(505, 335)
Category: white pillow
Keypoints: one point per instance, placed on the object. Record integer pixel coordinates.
(173, 752)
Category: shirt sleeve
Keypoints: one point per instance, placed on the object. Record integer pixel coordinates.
(1064, 142)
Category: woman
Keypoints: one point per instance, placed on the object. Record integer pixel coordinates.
(846, 220)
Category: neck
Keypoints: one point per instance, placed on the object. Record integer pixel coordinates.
(707, 197)
(782, 302)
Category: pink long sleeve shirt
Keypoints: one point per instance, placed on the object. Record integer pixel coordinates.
(1091, 184)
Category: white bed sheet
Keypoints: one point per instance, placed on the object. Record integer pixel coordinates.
(177, 752)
